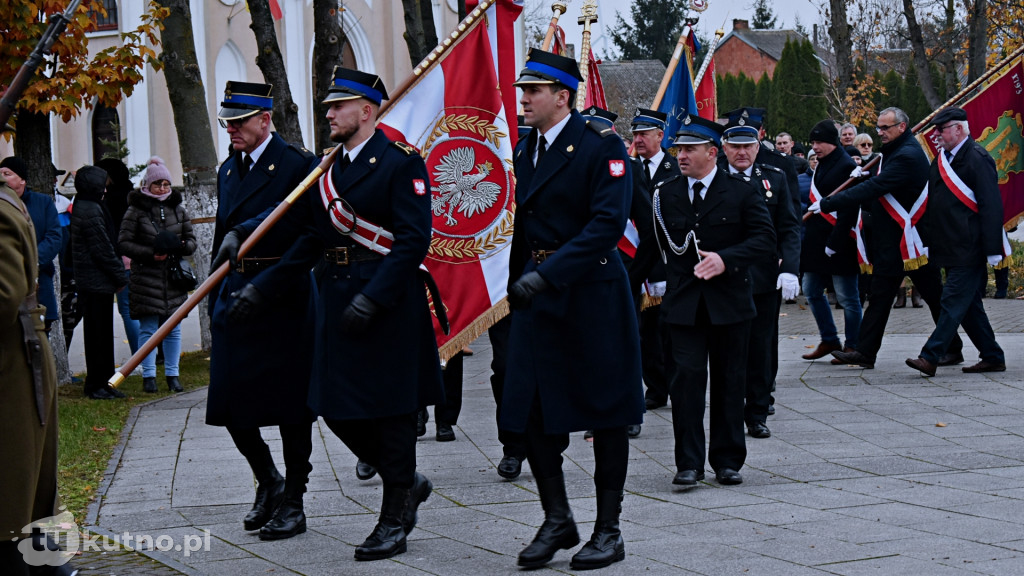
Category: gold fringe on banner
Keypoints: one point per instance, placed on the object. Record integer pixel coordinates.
(867, 268)
(914, 263)
(649, 301)
(473, 331)
(1006, 262)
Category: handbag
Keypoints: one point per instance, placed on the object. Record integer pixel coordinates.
(180, 275)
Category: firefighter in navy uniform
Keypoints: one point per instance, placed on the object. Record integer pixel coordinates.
(740, 144)
(260, 297)
(709, 303)
(574, 350)
(371, 221)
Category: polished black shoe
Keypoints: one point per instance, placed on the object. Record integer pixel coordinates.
(771, 409)
(117, 393)
(558, 532)
(652, 404)
(759, 430)
(444, 433)
(289, 520)
(174, 385)
(605, 546)
(728, 476)
(103, 393)
(388, 536)
(510, 467)
(418, 494)
(149, 385)
(921, 365)
(688, 477)
(268, 497)
(854, 358)
(364, 471)
(588, 434)
(422, 417)
(984, 366)
(633, 430)
(951, 359)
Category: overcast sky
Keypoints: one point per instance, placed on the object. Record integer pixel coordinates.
(719, 14)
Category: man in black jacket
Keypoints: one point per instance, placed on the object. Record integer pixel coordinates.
(964, 230)
(708, 303)
(895, 195)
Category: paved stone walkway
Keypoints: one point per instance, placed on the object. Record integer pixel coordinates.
(867, 472)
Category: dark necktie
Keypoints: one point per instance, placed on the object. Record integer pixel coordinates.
(345, 162)
(647, 170)
(697, 187)
(542, 146)
(243, 170)
(949, 155)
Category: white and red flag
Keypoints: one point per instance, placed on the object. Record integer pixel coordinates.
(455, 117)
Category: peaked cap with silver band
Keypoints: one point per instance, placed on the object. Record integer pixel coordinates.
(697, 130)
(648, 120)
(600, 116)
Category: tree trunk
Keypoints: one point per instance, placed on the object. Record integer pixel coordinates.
(328, 41)
(271, 63)
(977, 39)
(420, 33)
(924, 76)
(839, 30)
(195, 136)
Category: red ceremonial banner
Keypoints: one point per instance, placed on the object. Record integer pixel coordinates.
(994, 115)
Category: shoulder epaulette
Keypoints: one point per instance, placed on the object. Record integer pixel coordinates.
(327, 151)
(407, 149)
(671, 178)
(302, 150)
(770, 168)
(604, 132)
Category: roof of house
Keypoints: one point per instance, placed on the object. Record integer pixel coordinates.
(628, 85)
(771, 42)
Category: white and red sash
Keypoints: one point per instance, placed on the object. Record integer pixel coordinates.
(963, 192)
(366, 233)
(816, 197)
(912, 248)
(857, 232)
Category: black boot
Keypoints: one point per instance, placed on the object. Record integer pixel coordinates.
(558, 532)
(174, 385)
(421, 489)
(269, 493)
(388, 536)
(149, 385)
(289, 518)
(605, 546)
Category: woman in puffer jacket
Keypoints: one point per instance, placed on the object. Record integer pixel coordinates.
(156, 232)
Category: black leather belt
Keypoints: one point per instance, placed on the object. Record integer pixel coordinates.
(345, 255)
(539, 256)
(252, 265)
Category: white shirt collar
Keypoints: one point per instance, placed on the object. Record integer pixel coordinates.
(705, 180)
(255, 154)
(551, 134)
(744, 172)
(353, 152)
(958, 146)
(656, 161)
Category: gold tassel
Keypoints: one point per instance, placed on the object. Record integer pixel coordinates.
(867, 268)
(473, 331)
(647, 301)
(1006, 262)
(914, 263)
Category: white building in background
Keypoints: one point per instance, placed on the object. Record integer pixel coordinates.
(226, 50)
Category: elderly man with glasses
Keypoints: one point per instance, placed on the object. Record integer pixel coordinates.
(896, 200)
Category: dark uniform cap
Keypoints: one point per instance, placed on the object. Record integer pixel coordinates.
(349, 84)
(825, 131)
(745, 117)
(548, 68)
(648, 120)
(697, 130)
(951, 114)
(243, 99)
(601, 116)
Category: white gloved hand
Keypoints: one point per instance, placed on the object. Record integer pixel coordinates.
(829, 252)
(657, 289)
(994, 260)
(858, 172)
(789, 284)
(815, 208)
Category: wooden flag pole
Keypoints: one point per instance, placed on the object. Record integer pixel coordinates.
(677, 55)
(557, 9)
(845, 185)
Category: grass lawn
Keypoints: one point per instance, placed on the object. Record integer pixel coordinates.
(90, 429)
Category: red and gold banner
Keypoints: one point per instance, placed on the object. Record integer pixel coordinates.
(994, 112)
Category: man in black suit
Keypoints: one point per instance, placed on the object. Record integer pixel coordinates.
(653, 164)
(740, 144)
(574, 347)
(963, 229)
(715, 227)
(895, 197)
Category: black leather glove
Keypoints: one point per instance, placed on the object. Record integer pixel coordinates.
(228, 251)
(358, 314)
(523, 290)
(248, 302)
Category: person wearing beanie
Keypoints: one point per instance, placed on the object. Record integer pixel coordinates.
(99, 274)
(894, 194)
(116, 200)
(156, 234)
(48, 231)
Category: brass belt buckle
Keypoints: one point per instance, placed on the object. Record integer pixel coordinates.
(340, 256)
